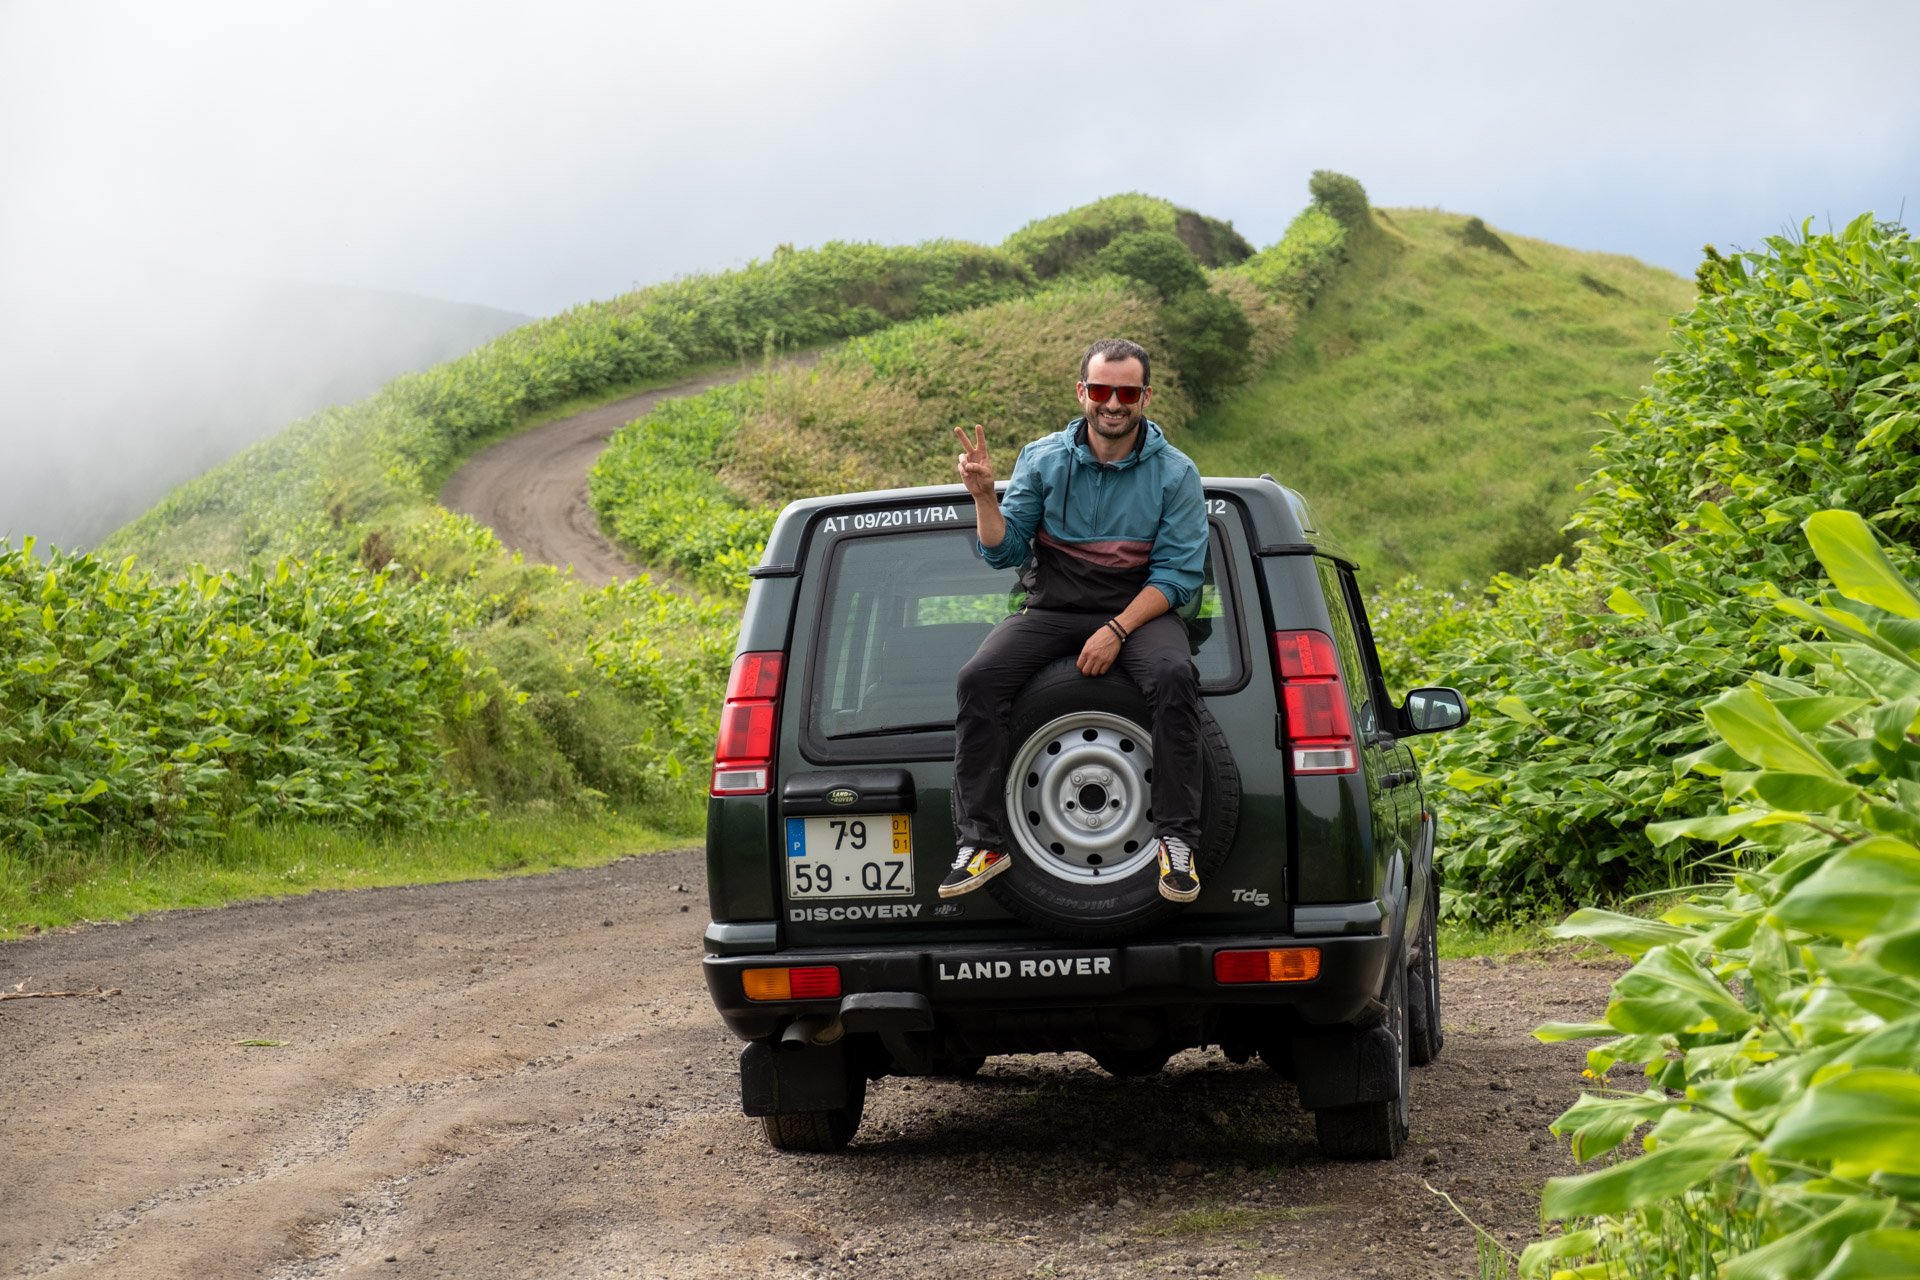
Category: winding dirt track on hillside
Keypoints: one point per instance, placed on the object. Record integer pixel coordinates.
(531, 489)
(526, 1078)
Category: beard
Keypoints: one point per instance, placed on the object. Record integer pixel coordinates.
(1110, 431)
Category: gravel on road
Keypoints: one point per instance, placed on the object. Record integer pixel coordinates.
(525, 1078)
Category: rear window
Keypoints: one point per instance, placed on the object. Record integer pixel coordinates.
(904, 612)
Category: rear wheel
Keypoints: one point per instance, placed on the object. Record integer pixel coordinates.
(1080, 801)
(820, 1130)
(1424, 1033)
(1372, 1130)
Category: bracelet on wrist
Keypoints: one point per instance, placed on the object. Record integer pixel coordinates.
(1119, 630)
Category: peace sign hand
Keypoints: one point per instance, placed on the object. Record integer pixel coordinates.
(976, 469)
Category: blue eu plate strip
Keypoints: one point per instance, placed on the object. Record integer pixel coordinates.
(796, 837)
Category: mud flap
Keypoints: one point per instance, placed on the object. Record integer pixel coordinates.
(1338, 1071)
(776, 1083)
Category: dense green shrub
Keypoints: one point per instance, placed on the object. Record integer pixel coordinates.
(1154, 258)
(1210, 340)
(1300, 263)
(1791, 387)
(1067, 243)
(304, 690)
(1342, 197)
(1777, 1017)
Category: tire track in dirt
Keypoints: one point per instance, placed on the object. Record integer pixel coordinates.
(526, 1078)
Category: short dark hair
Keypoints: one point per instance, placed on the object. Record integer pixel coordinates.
(1118, 349)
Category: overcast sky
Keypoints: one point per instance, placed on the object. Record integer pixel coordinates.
(528, 157)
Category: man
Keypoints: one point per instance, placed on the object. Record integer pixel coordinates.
(1110, 520)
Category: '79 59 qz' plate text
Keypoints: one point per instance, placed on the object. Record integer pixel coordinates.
(858, 856)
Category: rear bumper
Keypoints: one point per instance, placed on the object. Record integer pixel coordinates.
(962, 983)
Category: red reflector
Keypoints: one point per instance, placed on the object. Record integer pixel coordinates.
(1317, 710)
(814, 984)
(1240, 966)
(1282, 964)
(1305, 654)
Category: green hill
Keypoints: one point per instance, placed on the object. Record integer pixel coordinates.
(1437, 401)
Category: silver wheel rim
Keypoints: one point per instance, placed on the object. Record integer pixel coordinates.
(1060, 770)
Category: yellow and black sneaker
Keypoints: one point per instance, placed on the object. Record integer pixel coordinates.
(1178, 880)
(973, 868)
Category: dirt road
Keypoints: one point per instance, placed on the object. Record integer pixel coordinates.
(531, 489)
(525, 1078)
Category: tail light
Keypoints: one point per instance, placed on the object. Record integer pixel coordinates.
(1284, 964)
(818, 983)
(743, 756)
(1319, 726)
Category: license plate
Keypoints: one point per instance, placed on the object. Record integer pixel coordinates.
(858, 856)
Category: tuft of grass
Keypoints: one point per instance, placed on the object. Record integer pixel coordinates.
(1462, 940)
(1210, 1219)
(117, 879)
(1437, 402)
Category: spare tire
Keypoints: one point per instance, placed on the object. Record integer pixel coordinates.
(1079, 801)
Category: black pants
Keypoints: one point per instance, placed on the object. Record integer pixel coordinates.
(1157, 658)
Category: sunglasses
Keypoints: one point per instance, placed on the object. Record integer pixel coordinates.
(1100, 392)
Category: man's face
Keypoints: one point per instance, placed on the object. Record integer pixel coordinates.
(1114, 420)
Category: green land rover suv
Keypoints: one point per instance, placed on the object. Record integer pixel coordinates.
(829, 828)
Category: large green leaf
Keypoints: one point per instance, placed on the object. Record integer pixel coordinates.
(1863, 1121)
(1598, 1125)
(1754, 727)
(1874, 884)
(1852, 557)
(1536, 1256)
(1899, 951)
(1801, 1253)
(1641, 1180)
(1629, 935)
(1877, 1255)
(1801, 791)
(1668, 991)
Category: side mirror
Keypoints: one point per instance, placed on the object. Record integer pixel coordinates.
(1433, 710)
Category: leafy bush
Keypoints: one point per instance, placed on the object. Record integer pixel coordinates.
(1301, 262)
(1066, 243)
(1342, 197)
(1789, 388)
(1777, 1017)
(1154, 258)
(308, 690)
(1210, 340)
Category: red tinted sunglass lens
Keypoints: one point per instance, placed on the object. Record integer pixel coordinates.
(1101, 392)
(1127, 395)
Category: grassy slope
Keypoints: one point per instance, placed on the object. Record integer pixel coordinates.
(1437, 402)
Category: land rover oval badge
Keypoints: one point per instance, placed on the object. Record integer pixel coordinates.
(842, 795)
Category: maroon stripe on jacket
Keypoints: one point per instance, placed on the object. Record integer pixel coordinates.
(1118, 553)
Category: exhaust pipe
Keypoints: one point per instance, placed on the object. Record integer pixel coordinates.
(814, 1030)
